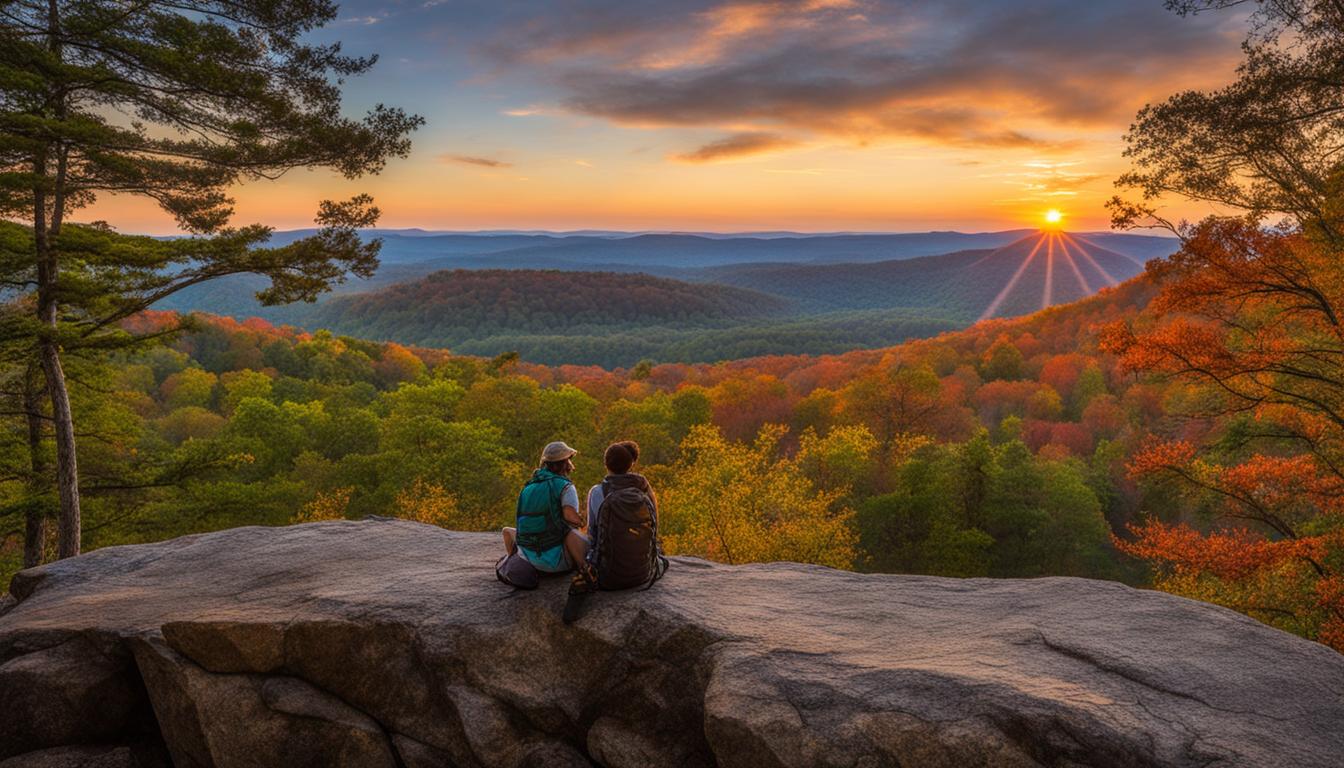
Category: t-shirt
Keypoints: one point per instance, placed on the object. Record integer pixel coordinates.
(570, 497)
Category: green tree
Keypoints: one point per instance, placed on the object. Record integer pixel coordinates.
(922, 525)
(647, 422)
(219, 92)
(438, 398)
(1267, 144)
(1043, 517)
(238, 385)
(467, 459)
(1003, 361)
(843, 460)
(690, 406)
(1091, 384)
(189, 387)
(893, 402)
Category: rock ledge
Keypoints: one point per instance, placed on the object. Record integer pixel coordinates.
(387, 643)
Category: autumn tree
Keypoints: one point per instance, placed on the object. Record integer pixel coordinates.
(745, 502)
(894, 402)
(1249, 316)
(214, 93)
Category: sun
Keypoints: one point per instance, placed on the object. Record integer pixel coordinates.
(1053, 216)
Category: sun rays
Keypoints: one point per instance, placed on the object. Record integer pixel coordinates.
(1050, 245)
(1012, 282)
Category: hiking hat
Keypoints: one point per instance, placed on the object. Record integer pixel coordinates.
(557, 451)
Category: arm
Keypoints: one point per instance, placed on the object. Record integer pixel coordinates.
(572, 516)
(569, 506)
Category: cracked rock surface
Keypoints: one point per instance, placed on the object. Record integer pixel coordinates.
(388, 643)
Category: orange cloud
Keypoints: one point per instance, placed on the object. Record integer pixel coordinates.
(485, 162)
(737, 145)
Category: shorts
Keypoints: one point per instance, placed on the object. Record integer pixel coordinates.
(553, 560)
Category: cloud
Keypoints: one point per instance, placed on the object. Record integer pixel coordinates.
(366, 20)
(486, 162)
(736, 145)
(961, 73)
(1041, 180)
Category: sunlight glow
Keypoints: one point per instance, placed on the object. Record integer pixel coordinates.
(1012, 281)
(1053, 216)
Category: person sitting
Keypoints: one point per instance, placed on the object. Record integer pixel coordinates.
(623, 523)
(545, 531)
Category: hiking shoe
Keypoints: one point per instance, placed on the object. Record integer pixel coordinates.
(581, 586)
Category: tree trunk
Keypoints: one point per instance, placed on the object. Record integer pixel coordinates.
(35, 517)
(48, 270)
(67, 470)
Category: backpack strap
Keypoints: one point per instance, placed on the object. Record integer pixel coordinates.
(603, 523)
(660, 563)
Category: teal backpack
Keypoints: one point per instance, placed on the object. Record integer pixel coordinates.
(540, 521)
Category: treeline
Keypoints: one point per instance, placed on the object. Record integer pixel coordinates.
(815, 335)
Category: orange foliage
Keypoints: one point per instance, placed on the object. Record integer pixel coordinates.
(1248, 318)
(1231, 554)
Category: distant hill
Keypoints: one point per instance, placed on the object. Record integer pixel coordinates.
(1034, 272)
(446, 308)
(602, 318)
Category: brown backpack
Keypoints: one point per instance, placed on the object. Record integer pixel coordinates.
(628, 552)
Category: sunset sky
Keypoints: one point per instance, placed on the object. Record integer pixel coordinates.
(820, 115)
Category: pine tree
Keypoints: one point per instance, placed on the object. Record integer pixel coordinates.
(215, 93)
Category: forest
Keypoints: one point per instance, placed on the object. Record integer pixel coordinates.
(929, 458)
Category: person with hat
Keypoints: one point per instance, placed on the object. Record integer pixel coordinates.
(547, 523)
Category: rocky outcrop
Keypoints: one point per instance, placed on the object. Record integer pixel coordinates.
(387, 643)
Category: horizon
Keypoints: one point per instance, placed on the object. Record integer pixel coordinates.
(772, 234)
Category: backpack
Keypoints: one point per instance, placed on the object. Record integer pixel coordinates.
(517, 572)
(628, 550)
(540, 521)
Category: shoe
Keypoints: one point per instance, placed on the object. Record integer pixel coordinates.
(581, 586)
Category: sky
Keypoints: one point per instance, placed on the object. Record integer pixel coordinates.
(802, 115)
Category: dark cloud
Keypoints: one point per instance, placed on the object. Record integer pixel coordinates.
(963, 72)
(486, 162)
(737, 145)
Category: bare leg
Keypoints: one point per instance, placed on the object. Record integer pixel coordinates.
(576, 546)
(510, 539)
(584, 580)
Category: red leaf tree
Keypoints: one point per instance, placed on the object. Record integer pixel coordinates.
(1251, 319)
